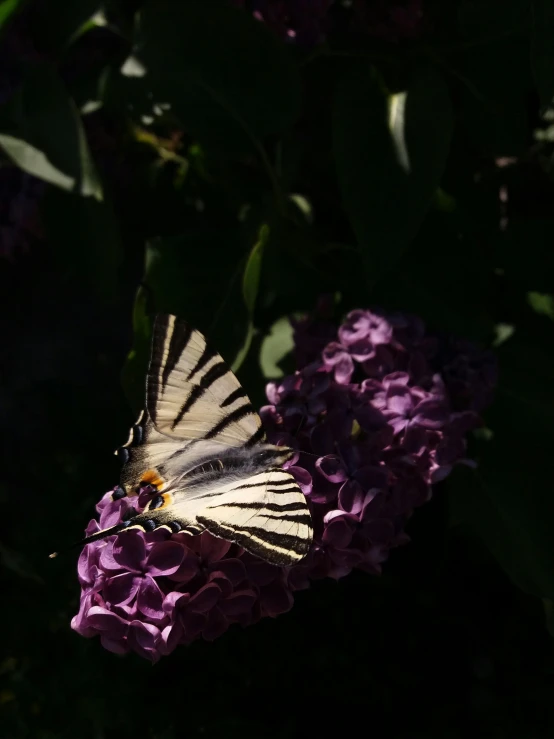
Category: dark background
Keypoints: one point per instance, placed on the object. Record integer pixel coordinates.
(453, 639)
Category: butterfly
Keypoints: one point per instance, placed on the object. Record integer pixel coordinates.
(200, 445)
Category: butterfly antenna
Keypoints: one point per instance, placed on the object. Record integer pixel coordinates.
(310, 454)
(301, 451)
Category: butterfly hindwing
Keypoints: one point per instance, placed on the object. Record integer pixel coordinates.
(191, 392)
(266, 514)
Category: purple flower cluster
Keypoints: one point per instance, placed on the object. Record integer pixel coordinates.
(378, 413)
(385, 408)
(148, 593)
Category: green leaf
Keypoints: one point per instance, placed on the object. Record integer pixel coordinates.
(85, 236)
(542, 303)
(250, 287)
(390, 155)
(242, 353)
(41, 132)
(276, 345)
(253, 270)
(229, 79)
(7, 9)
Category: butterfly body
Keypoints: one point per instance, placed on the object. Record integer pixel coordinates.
(200, 445)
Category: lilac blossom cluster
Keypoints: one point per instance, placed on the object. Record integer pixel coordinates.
(378, 412)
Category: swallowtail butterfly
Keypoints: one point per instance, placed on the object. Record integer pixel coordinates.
(200, 444)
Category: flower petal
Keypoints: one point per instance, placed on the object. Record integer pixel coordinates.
(80, 623)
(117, 646)
(275, 599)
(430, 414)
(174, 601)
(205, 599)
(171, 636)
(107, 561)
(129, 551)
(112, 513)
(338, 532)
(351, 497)
(233, 569)
(344, 370)
(240, 601)
(189, 567)
(121, 589)
(212, 548)
(165, 558)
(399, 399)
(303, 478)
(108, 622)
(150, 599)
(143, 639)
(332, 468)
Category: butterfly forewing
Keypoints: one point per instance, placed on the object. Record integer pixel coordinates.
(191, 392)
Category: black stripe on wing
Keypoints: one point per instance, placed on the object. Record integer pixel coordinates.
(237, 415)
(216, 371)
(235, 395)
(257, 437)
(180, 338)
(276, 548)
(256, 505)
(205, 357)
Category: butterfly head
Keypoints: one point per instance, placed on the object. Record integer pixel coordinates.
(270, 455)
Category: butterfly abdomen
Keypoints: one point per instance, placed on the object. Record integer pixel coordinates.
(239, 463)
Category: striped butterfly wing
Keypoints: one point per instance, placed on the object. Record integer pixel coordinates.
(191, 392)
(266, 514)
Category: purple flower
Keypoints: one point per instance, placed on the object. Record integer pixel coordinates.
(147, 593)
(383, 410)
(407, 407)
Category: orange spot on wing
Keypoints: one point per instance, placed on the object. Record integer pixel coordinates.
(168, 500)
(151, 477)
